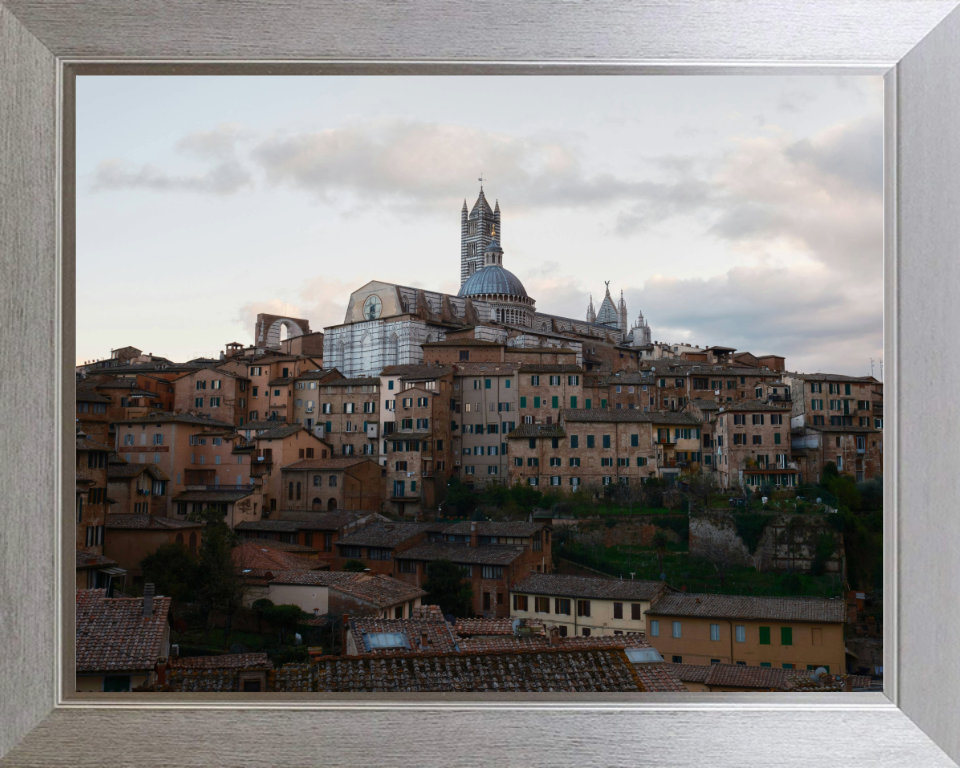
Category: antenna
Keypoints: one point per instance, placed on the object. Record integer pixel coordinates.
(871, 366)
(481, 179)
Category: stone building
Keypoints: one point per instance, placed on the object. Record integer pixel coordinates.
(826, 399)
(329, 484)
(753, 446)
(545, 389)
(217, 394)
(271, 378)
(677, 440)
(92, 501)
(348, 410)
(856, 451)
(485, 410)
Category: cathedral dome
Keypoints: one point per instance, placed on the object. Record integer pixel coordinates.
(493, 247)
(493, 279)
(608, 313)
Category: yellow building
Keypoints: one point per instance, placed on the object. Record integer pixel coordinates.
(584, 606)
(784, 632)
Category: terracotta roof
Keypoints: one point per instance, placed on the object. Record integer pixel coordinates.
(177, 418)
(144, 521)
(605, 414)
(278, 432)
(362, 381)
(120, 471)
(588, 587)
(537, 430)
(89, 396)
(440, 637)
(463, 343)
(90, 560)
(466, 627)
(84, 478)
(692, 673)
(657, 677)
(282, 381)
(285, 526)
(376, 589)
(296, 549)
(258, 555)
(550, 367)
(417, 371)
(735, 676)
(540, 670)
(86, 444)
(320, 521)
(226, 661)
(814, 609)
(318, 374)
(335, 463)
(225, 497)
(754, 405)
(848, 429)
(706, 405)
(260, 424)
(644, 377)
(408, 435)
(486, 369)
(114, 636)
(832, 377)
(673, 417)
(386, 535)
(487, 528)
(490, 554)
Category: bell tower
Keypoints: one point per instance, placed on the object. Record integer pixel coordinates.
(478, 227)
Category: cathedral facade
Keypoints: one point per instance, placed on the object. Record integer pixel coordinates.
(386, 324)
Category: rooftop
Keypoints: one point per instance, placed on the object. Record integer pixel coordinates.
(177, 418)
(260, 556)
(114, 636)
(463, 343)
(589, 415)
(486, 369)
(673, 417)
(385, 535)
(489, 554)
(537, 430)
(363, 381)
(588, 587)
(813, 609)
(334, 463)
(549, 367)
(278, 432)
(118, 471)
(222, 497)
(226, 661)
(147, 522)
(408, 636)
(754, 405)
(487, 528)
(417, 371)
(88, 560)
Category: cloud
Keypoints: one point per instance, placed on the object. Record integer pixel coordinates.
(323, 301)
(225, 174)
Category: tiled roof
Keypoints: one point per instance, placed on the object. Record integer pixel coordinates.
(321, 521)
(463, 343)
(588, 587)
(144, 521)
(673, 417)
(177, 418)
(376, 589)
(278, 432)
(383, 534)
(706, 405)
(113, 635)
(296, 549)
(88, 560)
(254, 426)
(833, 377)
(226, 661)
(333, 463)
(658, 678)
(417, 371)
(537, 430)
(214, 496)
(259, 555)
(490, 554)
(487, 528)
(84, 477)
(486, 369)
(848, 429)
(467, 627)
(319, 374)
(282, 381)
(632, 415)
(408, 435)
(735, 676)
(440, 637)
(754, 405)
(814, 609)
(540, 670)
(285, 526)
(86, 444)
(117, 471)
(89, 396)
(625, 378)
(363, 381)
(692, 673)
(550, 367)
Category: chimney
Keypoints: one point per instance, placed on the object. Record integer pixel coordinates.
(555, 636)
(148, 592)
(848, 683)
(424, 639)
(473, 534)
(683, 587)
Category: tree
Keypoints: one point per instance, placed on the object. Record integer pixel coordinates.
(460, 499)
(660, 542)
(721, 549)
(173, 569)
(702, 485)
(284, 617)
(259, 607)
(354, 566)
(219, 585)
(447, 587)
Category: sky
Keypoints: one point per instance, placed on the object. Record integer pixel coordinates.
(744, 211)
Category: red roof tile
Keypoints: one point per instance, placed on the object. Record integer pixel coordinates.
(114, 636)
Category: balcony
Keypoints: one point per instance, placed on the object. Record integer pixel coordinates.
(665, 441)
(261, 468)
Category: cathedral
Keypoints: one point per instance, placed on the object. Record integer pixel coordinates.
(386, 324)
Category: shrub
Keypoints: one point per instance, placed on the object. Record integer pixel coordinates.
(750, 527)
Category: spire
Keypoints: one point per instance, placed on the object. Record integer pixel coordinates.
(496, 208)
(464, 205)
(591, 313)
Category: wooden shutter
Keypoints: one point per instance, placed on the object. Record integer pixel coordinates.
(764, 635)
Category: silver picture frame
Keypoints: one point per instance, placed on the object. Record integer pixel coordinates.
(914, 44)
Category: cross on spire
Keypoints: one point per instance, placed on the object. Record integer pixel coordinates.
(481, 179)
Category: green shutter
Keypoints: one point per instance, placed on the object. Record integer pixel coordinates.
(634, 440)
(764, 635)
(536, 402)
(555, 402)
(603, 403)
(776, 438)
(589, 403)
(523, 402)
(573, 401)
(506, 384)
(786, 635)
(486, 383)
(765, 664)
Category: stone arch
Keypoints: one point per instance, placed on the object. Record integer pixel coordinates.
(393, 350)
(368, 354)
(332, 504)
(180, 539)
(316, 504)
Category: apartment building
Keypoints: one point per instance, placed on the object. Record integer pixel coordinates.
(706, 412)
(348, 413)
(378, 544)
(484, 411)
(583, 606)
(831, 400)
(217, 394)
(306, 396)
(783, 632)
(92, 501)
(271, 378)
(546, 388)
(136, 488)
(753, 446)
(621, 391)
(856, 451)
(677, 437)
(329, 484)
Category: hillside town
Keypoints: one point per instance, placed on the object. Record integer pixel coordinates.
(464, 493)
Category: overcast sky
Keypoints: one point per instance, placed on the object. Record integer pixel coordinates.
(743, 211)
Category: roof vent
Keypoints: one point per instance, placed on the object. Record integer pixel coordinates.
(148, 592)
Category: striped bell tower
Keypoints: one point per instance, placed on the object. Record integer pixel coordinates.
(478, 227)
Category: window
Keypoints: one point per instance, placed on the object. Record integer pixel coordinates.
(541, 604)
(519, 602)
(583, 607)
(561, 606)
(378, 554)
(198, 402)
(764, 635)
(757, 439)
(676, 629)
(786, 635)
(618, 610)
(590, 441)
(678, 659)
(654, 628)
(535, 381)
(492, 572)
(715, 632)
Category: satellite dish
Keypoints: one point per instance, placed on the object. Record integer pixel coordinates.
(297, 640)
(516, 625)
(450, 618)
